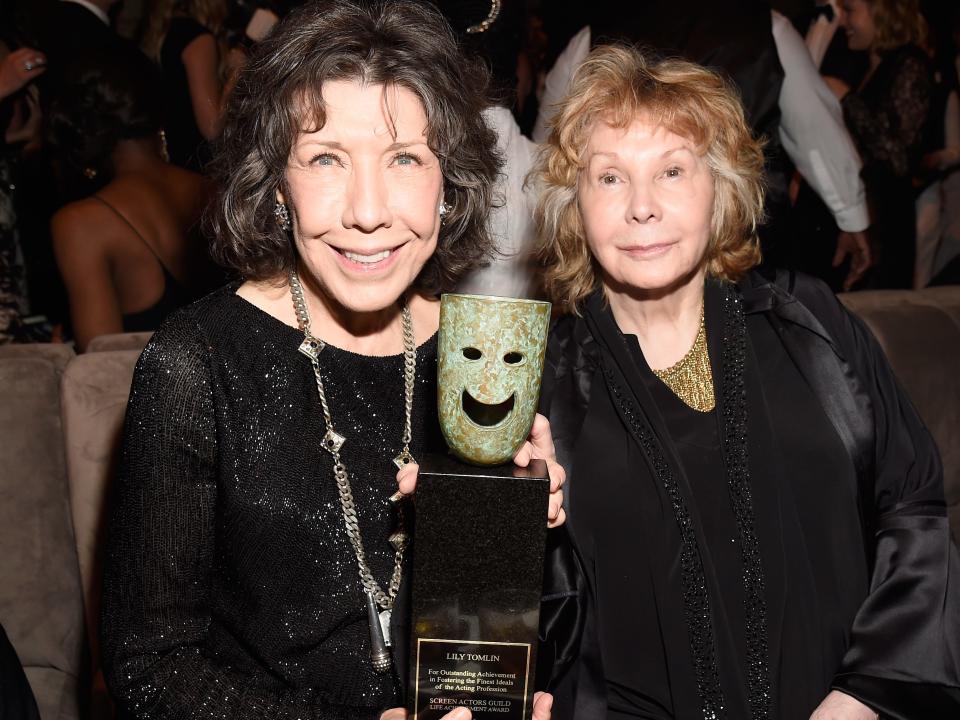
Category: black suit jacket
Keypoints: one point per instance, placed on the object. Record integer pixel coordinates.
(70, 35)
(70, 30)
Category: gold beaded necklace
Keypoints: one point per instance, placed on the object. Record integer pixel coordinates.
(691, 378)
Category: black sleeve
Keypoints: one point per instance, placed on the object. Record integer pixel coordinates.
(565, 389)
(16, 698)
(182, 32)
(565, 607)
(904, 654)
(156, 609)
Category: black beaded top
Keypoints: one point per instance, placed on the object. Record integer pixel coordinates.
(231, 589)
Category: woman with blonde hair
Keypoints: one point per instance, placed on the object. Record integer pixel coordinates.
(758, 508)
(887, 115)
(182, 37)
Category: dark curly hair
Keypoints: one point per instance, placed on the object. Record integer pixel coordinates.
(101, 101)
(278, 95)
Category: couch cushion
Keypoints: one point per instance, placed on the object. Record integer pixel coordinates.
(57, 353)
(119, 341)
(40, 600)
(947, 299)
(56, 693)
(920, 333)
(94, 398)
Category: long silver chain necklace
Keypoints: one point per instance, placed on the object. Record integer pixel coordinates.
(379, 602)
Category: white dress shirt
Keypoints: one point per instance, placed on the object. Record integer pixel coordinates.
(821, 31)
(811, 123)
(104, 18)
(512, 273)
(558, 81)
(813, 132)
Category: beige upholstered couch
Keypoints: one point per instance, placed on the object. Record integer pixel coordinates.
(59, 423)
(920, 333)
(41, 608)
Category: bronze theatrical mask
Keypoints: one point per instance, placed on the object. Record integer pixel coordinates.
(490, 362)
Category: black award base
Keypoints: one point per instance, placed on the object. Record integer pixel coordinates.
(477, 581)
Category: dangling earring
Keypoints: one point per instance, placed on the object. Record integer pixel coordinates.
(282, 215)
(443, 210)
(164, 151)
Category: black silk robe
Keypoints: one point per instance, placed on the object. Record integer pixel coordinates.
(862, 589)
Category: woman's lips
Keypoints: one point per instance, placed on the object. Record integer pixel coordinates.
(367, 262)
(647, 252)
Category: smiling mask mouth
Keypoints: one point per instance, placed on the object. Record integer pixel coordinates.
(486, 415)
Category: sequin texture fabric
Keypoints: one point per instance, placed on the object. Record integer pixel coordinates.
(696, 597)
(733, 405)
(230, 588)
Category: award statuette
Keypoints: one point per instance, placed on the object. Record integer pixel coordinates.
(480, 520)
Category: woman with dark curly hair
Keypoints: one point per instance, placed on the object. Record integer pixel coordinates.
(130, 252)
(759, 509)
(257, 545)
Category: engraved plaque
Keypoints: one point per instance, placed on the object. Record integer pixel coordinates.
(477, 580)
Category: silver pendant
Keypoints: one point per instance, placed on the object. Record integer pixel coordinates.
(385, 626)
(311, 347)
(398, 540)
(332, 441)
(379, 648)
(403, 459)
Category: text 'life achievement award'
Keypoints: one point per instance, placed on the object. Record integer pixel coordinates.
(480, 520)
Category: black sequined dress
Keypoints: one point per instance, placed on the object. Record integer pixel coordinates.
(230, 588)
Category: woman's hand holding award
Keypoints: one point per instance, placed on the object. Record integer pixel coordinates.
(480, 519)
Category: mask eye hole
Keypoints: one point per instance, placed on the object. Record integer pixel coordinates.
(471, 353)
(513, 358)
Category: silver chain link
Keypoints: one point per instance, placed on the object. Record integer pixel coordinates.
(383, 599)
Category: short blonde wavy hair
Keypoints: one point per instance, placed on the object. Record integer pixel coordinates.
(896, 23)
(618, 85)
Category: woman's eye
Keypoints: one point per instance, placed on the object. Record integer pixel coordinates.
(406, 159)
(673, 172)
(608, 179)
(325, 159)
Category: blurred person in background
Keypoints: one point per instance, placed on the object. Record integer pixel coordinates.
(130, 252)
(495, 33)
(938, 206)
(69, 32)
(183, 37)
(887, 115)
(74, 28)
(18, 117)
